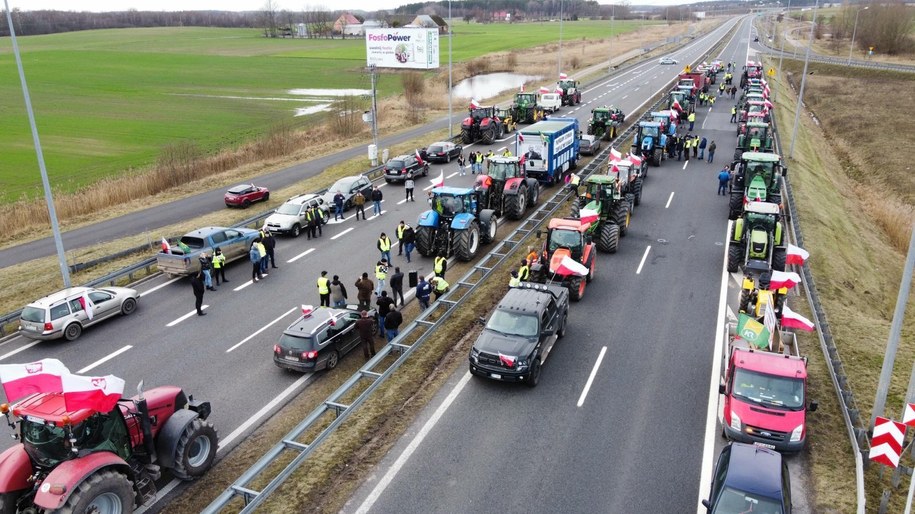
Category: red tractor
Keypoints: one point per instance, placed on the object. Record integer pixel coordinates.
(566, 237)
(505, 189)
(87, 461)
(484, 124)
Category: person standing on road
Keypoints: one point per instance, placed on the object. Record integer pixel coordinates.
(392, 324)
(686, 146)
(408, 241)
(310, 227)
(318, 215)
(399, 231)
(365, 287)
(711, 151)
(197, 284)
(440, 265)
(337, 292)
(255, 257)
(385, 305)
(702, 145)
(408, 186)
(376, 200)
(692, 120)
(262, 250)
(734, 114)
(270, 245)
(324, 289)
(423, 291)
(397, 286)
(460, 161)
(359, 202)
(724, 176)
(384, 246)
(365, 327)
(219, 266)
(695, 145)
(681, 144)
(205, 265)
(338, 205)
(381, 273)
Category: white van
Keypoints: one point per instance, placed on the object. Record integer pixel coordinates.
(551, 102)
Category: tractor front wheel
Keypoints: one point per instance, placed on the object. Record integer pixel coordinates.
(196, 450)
(743, 303)
(104, 492)
(489, 135)
(424, 237)
(637, 191)
(609, 238)
(489, 225)
(735, 205)
(516, 204)
(575, 211)
(779, 256)
(735, 255)
(577, 287)
(467, 242)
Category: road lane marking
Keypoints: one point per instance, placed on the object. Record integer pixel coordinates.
(685, 164)
(625, 97)
(104, 360)
(17, 350)
(669, 199)
(303, 254)
(453, 174)
(584, 392)
(188, 315)
(265, 327)
(160, 286)
(341, 234)
(642, 263)
(414, 444)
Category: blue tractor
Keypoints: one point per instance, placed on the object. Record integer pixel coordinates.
(650, 142)
(456, 224)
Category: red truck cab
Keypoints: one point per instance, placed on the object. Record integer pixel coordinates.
(765, 398)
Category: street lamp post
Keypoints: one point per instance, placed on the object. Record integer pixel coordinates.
(450, 86)
(612, 13)
(851, 47)
(781, 51)
(559, 64)
(800, 96)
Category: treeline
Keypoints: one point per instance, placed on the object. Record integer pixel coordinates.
(31, 23)
(885, 26)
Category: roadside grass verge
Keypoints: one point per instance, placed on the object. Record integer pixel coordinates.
(855, 203)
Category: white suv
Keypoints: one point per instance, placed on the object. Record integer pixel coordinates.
(289, 218)
(65, 313)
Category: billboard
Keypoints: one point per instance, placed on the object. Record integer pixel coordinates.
(415, 48)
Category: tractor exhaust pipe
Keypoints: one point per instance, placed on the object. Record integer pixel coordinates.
(143, 411)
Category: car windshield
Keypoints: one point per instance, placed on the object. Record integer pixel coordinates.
(395, 164)
(512, 323)
(601, 115)
(565, 238)
(769, 390)
(291, 209)
(450, 205)
(296, 342)
(436, 149)
(47, 445)
(502, 170)
(237, 190)
(480, 113)
(735, 501)
(343, 185)
(34, 314)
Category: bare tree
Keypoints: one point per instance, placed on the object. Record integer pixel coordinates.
(268, 18)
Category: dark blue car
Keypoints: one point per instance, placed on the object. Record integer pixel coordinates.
(750, 478)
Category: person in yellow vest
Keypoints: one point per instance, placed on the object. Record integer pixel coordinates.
(524, 272)
(384, 246)
(574, 181)
(381, 273)
(692, 120)
(324, 289)
(440, 266)
(400, 229)
(439, 286)
(219, 266)
(507, 153)
(734, 114)
(514, 281)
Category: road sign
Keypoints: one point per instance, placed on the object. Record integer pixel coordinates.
(771, 72)
(687, 69)
(908, 417)
(886, 444)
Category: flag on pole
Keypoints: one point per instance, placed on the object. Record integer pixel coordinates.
(563, 76)
(615, 154)
(21, 380)
(796, 255)
(440, 181)
(769, 322)
(522, 87)
(474, 104)
(568, 266)
(752, 331)
(635, 160)
(520, 137)
(791, 319)
(780, 279)
(418, 157)
(544, 90)
(166, 248)
(307, 310)
(331, 319)
(545, 139)
(676, 105)
(558, 90)
(87, 305)
(96, 393)
(588, 215)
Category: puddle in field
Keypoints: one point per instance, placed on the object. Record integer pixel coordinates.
(480, 87)
(313, 101)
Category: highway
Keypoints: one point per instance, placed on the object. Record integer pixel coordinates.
(639, 426)
(618, 421)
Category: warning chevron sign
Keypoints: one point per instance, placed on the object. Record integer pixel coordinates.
(908, 417)
(886, 444)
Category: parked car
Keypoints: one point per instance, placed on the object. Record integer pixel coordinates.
(667, 60)
(399, 167)
(243, 195)
(348, 186)
(66, 313)
(318, 339)
(289, 218)
(749, 478)
(589, 145)
(183, 258)
(443, 151)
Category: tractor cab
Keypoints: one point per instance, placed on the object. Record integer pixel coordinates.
(525, 99)
(667, 119)
(600, 114)
(756, 137)
(481, 113)
(761, 223)
(504, 168)
(682, 97)
(759, 173)
(448, 202)
(598, 188)
(567, 237)
(565, 85)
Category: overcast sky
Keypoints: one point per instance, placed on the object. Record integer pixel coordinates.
(230, 5)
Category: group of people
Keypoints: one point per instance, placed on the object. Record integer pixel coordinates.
(213, 267)
(680, 147)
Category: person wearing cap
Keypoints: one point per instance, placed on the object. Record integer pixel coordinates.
(365, 327)
(514, 281)
(219, 266)
(423, 291)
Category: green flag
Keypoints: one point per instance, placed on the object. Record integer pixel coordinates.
(545, 139)
(752, 332)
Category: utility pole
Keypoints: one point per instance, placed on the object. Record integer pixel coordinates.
(374, 111)
(612, 15)
(450, 86)
(800, 96)
(781, 52)
(49, 199)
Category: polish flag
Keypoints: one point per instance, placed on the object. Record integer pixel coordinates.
(676, 105)
(782, 279)
(522, 87)
(96, 393)
(791, 319)
(544, 90)
(440, 181)
(615, 154)
(331, 319)
(635, 160)
(87, 305)
(520, 137)
(568, 266)
(768, 104)
(474, 104)
(507, 360)
(166, 248)
(307, 310)
(558, 90)
(563, 76)
(588, 215)
(418, 157)
(796, 255)
(21, 380)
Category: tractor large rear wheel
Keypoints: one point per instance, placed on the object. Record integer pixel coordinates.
(533, 193)
(489, 135)
(466, 136)
(467, 242)
(735, 205)
(489, 225)
(621, 217)
(637, 191)
(424, 238)
(516, 204)
(103, 492)
(577, 287)
(609, 238)
(575, 211)
(779, 256)
(656, 157)
(735, 256)
(196, 450)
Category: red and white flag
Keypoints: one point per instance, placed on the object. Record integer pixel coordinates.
(588, 215)
(676, 105)
(635, 160)
(21, 380)
(474, 104)
(418, 157)
(768, 104)
(544, 90)
(563, 76)
(615, 154)
(520, 137)
(522, 87)
(166, 248)
(782, 279)
(331, 319)
(508, 360)
(440, 181)
(791, 319)
(558, 90)
(568, 266)
(96, 393)
(87, 305)
(307, 310)
(796, 255)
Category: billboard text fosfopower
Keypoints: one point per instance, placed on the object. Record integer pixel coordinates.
(402, 48)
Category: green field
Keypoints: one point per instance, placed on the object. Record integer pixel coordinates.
(107, 101)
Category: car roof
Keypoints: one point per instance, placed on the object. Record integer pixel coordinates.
(588, 137)
(47, 301)
(441, 143)
(772, 363)
(300, 199)
(528, 299)
(203, 232)
(400, 157)
(347, 180)
(305, 326)
(755, 470)
(240, 187)
(452, 191)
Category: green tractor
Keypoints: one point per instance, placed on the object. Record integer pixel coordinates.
(756, 243)
(525, 108)
(755, 138)
(605, 122)
(757, 178)
(606, 208)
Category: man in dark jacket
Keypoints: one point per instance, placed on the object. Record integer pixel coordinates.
(376, 201)
(197, 284)
(270, 245)
(423, 292)
(385, 306)
(338, 205)
(365, 288)
(392, 324)
(408, 241)
(365, 327)
(397, 286)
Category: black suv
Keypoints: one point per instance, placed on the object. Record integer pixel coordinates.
(399, 167)
(520, 333)
(318, 339)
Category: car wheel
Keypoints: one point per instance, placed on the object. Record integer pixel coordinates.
(534, 377)
(296, 230)
(246, 204)
(426, 170)
(266, 196)
(387, 180)
(73, 331)
(447, 158)
(333, 359)
(128, 306)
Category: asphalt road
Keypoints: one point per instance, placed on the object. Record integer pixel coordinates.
(618, 421)
(226, 357)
